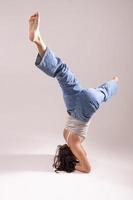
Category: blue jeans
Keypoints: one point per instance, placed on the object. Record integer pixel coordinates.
(81, 103)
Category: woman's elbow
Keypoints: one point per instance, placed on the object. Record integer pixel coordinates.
(87, 170)
(83, 168)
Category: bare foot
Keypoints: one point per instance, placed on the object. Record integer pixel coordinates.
(116, 78)
(34, 33)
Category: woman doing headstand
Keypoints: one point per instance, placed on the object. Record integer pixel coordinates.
(81, 103)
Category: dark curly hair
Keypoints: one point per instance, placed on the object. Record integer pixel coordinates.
(64, 159)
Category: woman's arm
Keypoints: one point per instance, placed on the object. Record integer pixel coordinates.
(83, 150)
(78, 151)
(83, 165)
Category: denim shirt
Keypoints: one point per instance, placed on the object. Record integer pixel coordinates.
(81, 103)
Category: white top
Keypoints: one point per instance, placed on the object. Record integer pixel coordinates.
(76, 126)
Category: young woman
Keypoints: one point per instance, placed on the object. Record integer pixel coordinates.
(81, 103)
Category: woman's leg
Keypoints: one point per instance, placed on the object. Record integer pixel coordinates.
(34, 33)
(109, 88)
(49, 63)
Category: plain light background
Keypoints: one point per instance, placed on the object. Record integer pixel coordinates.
(95, 38)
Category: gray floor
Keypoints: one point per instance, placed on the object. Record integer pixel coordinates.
(32, 177)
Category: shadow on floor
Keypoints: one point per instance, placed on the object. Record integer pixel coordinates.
(26, 163)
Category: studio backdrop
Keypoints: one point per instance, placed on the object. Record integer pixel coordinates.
(95, 39)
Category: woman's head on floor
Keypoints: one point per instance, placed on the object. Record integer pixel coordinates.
(64, 159)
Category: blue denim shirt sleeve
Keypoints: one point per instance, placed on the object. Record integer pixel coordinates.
(109, 88)
(55, 67)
